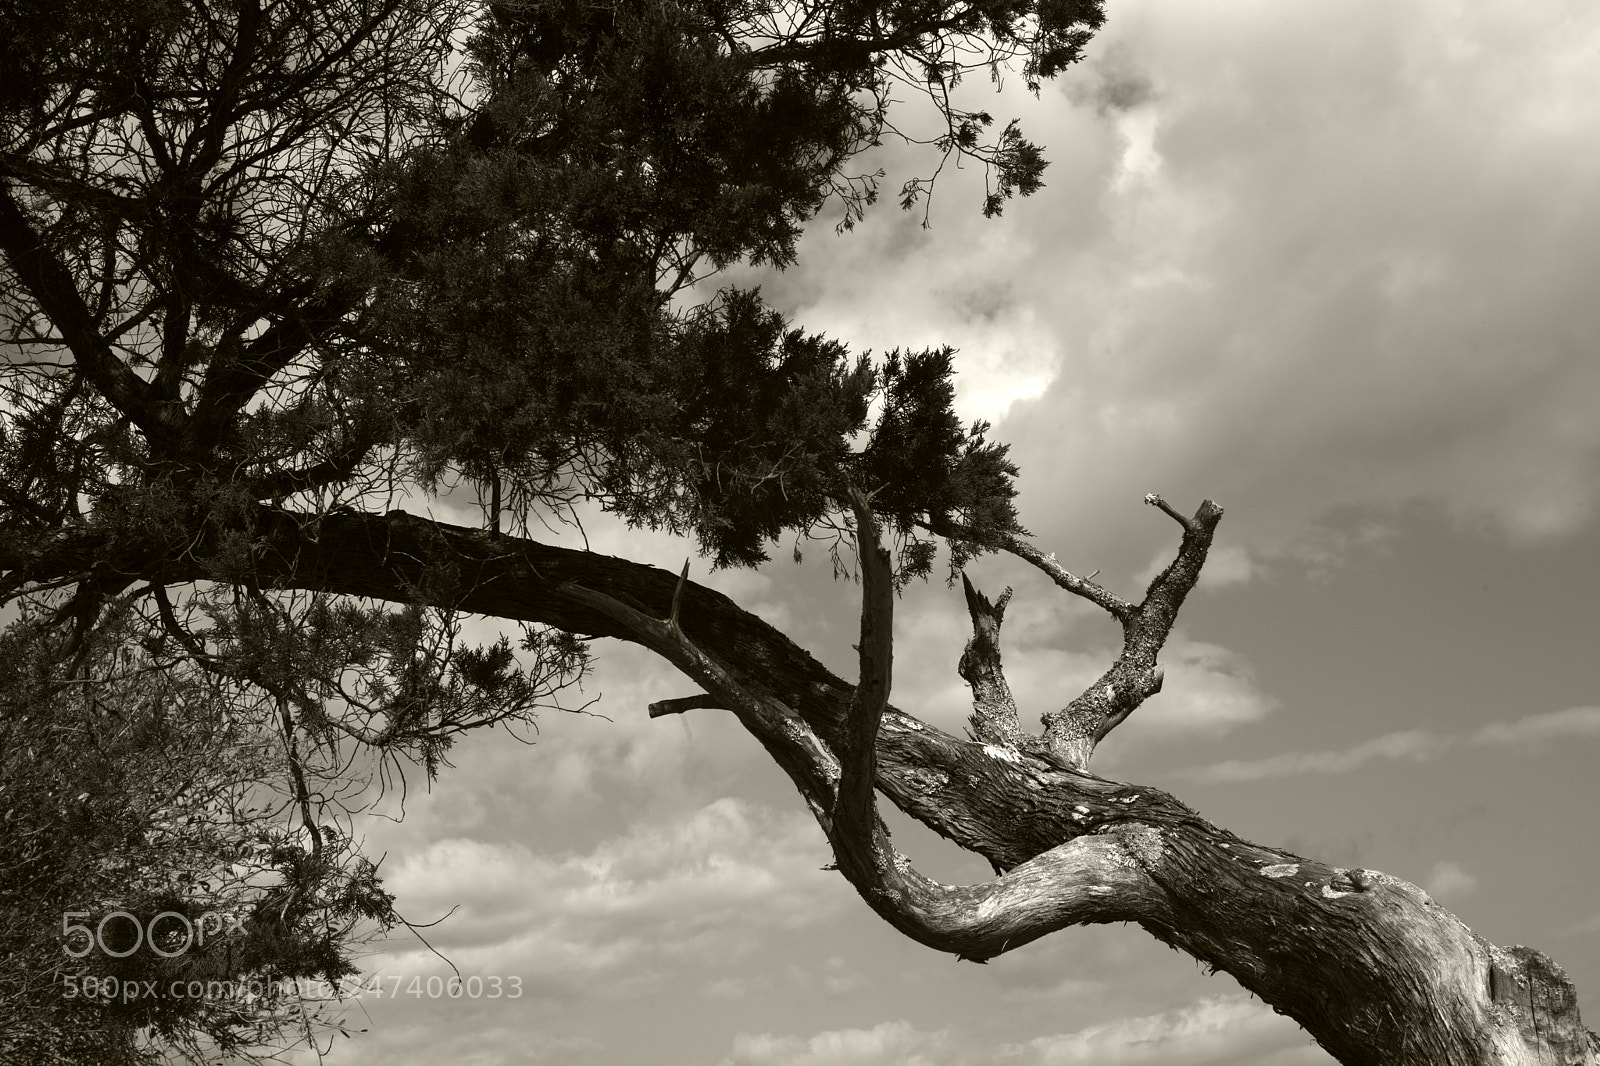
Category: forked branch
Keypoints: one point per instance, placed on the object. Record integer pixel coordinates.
(1089, 879)
(1071, 733)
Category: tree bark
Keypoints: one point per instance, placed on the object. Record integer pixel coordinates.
(1368, 964)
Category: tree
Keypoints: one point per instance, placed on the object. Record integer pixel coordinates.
(270, 262)
(142, 824)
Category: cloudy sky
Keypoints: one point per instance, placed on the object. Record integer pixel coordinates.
(1334, 265)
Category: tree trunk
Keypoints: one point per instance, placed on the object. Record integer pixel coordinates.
(1368, 964)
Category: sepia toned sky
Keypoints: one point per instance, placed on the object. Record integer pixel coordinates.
(1333, 265)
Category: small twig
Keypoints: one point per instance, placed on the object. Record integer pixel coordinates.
(1154, 500)
(428, 925)
(1113, 605)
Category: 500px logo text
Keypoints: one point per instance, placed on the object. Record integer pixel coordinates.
(142, 933)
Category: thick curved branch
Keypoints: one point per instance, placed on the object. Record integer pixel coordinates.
(792, 743)
(1082, 882)
(959, 788)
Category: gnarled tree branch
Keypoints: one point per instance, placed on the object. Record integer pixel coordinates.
(1088, 879)
(1072, 732)
(1368, 964)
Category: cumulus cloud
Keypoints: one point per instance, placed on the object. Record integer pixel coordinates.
(886, 1044)
(1330, 257)
(1208, 690)
(1232, 1030)
(704, 886)
(1417, 745)
(1226, 1029)
(1362, 307)
(1412, 746)
(1227, 565)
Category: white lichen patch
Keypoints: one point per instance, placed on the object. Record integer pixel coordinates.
(1130, 799)
(995, 751)
(1143, 843)
(826, 761)
(1282, 869)
(1329, 892)
(1119, 857)
(905, 723)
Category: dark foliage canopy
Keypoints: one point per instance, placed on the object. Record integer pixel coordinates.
(267, 263)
